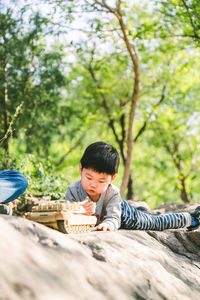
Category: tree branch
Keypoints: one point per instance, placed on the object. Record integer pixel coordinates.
(104, 101)
(118, 6)
(10, 130)
(103, 4)
(190, 17)
(61, 160)
(142, 129)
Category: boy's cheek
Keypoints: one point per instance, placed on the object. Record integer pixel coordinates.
(84, 184)
(104, 188)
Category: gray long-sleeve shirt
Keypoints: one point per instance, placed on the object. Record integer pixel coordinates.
(108, 207)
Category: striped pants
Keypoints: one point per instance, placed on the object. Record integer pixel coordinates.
(132, 218)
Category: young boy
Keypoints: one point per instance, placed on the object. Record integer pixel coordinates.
(98, 168)
(12, 185)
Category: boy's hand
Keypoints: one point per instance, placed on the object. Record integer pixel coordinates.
(89, 207)
(102, 226)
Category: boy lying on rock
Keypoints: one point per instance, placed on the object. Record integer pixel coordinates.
(98, 168)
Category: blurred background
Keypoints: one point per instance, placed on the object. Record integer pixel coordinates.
(124, 72)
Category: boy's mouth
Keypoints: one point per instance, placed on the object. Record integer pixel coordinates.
(91, 191)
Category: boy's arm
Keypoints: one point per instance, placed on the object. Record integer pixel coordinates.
(73, 193)
(74, 196)
(112, 218)
(69, 195)
(113, 213)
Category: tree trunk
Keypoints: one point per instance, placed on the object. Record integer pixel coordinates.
(134, 99)
(184, 195)
(136, 87)
(130, 194)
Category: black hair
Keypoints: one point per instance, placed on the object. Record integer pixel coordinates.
(101, 157)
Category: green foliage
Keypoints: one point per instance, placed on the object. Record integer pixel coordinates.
(33, 75)
(42, 177)
(63, 109)
(181, 18)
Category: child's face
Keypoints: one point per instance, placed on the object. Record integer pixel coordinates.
(95, 183)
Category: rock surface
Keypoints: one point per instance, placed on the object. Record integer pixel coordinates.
(43, 264)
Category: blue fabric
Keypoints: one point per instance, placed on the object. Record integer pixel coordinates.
(12, 185)
(132, 218)
(194, 222)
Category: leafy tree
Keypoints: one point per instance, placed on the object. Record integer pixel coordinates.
(181, 19)
(30, 75)
(98, 100)
(109, 71)
(96, 25)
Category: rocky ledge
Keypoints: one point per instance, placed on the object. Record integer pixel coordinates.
(40, 263)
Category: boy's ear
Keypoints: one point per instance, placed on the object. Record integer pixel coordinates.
(113, 177)
(80, 168)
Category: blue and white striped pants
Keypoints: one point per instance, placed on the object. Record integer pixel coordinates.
(132, 218)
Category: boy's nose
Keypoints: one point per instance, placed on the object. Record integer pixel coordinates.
(93, 184)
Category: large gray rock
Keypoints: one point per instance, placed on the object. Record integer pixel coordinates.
(41, 263)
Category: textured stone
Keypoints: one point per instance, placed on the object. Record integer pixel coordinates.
(41, 263)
